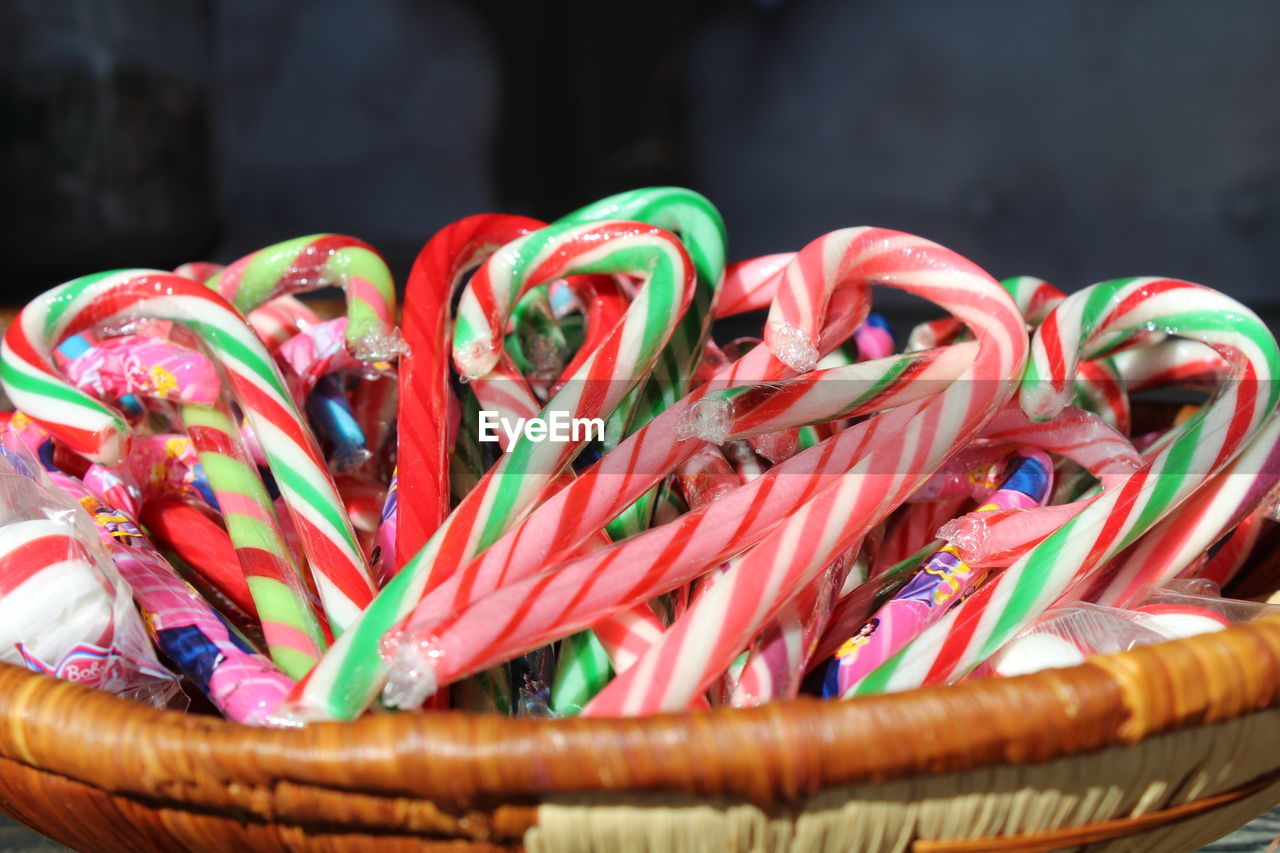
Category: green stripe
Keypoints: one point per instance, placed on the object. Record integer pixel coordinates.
(68, 297)
(1030, 585)
(251, 355)
(263, 272)
(326, 508)
(1171, 479)
(36, 383)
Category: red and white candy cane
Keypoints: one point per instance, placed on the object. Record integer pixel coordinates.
(670, 555)
(101, 433)
(1088, 324)
(1215, 509)
(425, 399)
(348, 679)
(290, 625)
(902, 447)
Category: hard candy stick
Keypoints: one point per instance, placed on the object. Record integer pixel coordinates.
(912, 441)
(749, 285)
(351, 675)
(701, 228)
(668, 556)
(425, 397)
(1086, 325)
(942, 581)
(280, 319)
(1198, 522)
(1177, 361)
(824, 395)
(314, 262)
(100, 433)
(777, 662)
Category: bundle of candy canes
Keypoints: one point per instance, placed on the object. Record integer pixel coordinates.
(553, 488)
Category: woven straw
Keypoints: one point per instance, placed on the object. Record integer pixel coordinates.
(1163, 748)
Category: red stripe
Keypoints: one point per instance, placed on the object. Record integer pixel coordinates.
(323, 553)
(29, 558)
(1141, 295)
(309, 264)
(1051, 337)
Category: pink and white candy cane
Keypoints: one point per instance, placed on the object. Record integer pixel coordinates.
(668, 556)
(101, 433)
(1085, 325)
(281, 319)
(903, 446)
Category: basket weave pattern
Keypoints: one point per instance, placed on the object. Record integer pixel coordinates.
(1161, 748)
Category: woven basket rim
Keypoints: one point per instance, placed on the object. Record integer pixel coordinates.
(780, 751)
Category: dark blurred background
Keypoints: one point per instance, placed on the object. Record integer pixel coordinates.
(1071, 139)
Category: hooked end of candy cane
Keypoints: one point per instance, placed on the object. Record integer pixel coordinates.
(708, 419)
(412, 679)
(385, 344)
(1041, 401)
(792, 346)
(475, 359)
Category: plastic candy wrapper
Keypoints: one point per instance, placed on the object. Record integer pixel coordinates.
(1186, 608)
(64, 609)
(1065, 636)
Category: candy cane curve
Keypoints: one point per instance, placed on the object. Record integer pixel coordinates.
(100, 433)
(1088, 324)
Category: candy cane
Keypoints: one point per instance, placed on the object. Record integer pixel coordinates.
(101, 433)
(313, 262)
(1087, 324)
(425, 396)
(672, 554)
(905, 444)
(1202, 519)
(290, 626)
(701, 229)
(942, 581)
(346, 681)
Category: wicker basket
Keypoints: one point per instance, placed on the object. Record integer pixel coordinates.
(1164, 748)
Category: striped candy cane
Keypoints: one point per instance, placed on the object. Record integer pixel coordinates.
(290, 625)
(1089, 324)
(902, 447)
(670, 555)
(1216, 508)
(313, 262)
(348, 678)
(701, 228)
(425, 398)
(101, 433)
